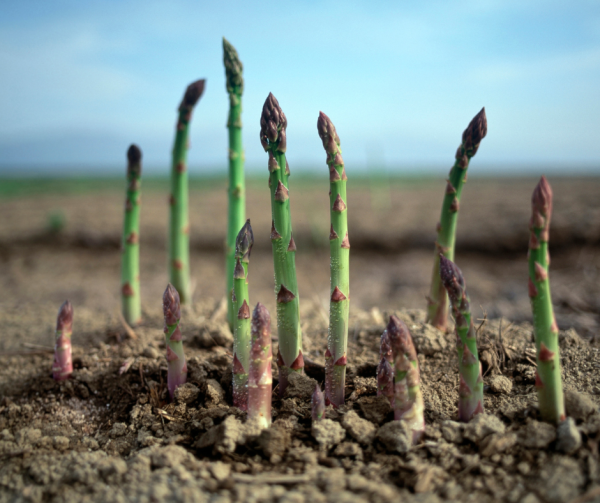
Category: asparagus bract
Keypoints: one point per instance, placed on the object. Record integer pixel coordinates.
(130, 259)
(318, 404)
(179, 227)
(437, 309)
(273, 138)
(385, 373)
(548, 379)
(260, 381)
(63, 363)
(236, 190)
(470, 391)
(339, 246)
(408, 399)
(177, 373)
(241, 327)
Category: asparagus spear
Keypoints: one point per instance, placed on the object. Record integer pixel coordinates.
(260, 381)
(548, 379)
(437, 309)
(63, 364)
(470, 391)
(177, 373)
(241, 327)
(179, 227)
(408, 400)
(130, 260)
(385, 374)
(237, 198)
(273, 138)
(318, 404)
(339, 246)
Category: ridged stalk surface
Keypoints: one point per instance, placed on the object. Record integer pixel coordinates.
(339, 247)
(470, 390)
(62, 367)
(548, 378)
(177, 366)
(274, 140)
(241, 326)
(260, 380)
(236, 190)
(437, 309)
(130, 259)
(408, 399)
(179, 226)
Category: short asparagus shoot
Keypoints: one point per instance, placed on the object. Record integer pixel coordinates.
(237, 199)
(318, 404)
(179, 226)
(437, 309)
(548, 379)
(470, 390)
(241, 327)
(260, 380)
(408, 399)
(130, 259)
(273, 138)
(63, 362)
(385, 373)
(177, 366)
(339, 246)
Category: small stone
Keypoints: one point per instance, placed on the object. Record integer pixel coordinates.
(524, 468)
(327, 433)
(28, 436)
(530, 498)
(428, 340)
(579, 405)
(224, 437)
(187, 393)
(496, 443)
(213, 394)
(150, 352)
(60, 443)
(537, 435)
(452, 431)
(365, 386)
(220, 471)
(359, 429)
(348, 449)
(396, 436)
(481, 426)
(274, 441)
(569, 438)
(299, 386)
(376, 409)
(118, 430)
(500, 384)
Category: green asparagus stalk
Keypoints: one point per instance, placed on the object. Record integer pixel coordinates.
(385, 374)
(236, 190)
(437, 309)
(260, 380)
(273, 138)
(179, 227)
(130, 260)
(318, 404)
(241, 327)
(339, 246)
(408, 400)
(548, 379)
(470, 391)
(63, 363)
(177, 367)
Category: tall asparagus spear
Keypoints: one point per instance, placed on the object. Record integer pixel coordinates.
(260, 381)
(237, 198)
(548, 379)
(470, 391)
(408, 400)
(437, 309)
(130, 260)
(177, 373)
(273, 138)
(318, 404)
(179, 227)
(241, 327)
(63, 364)
(339, 246)
(385, 374)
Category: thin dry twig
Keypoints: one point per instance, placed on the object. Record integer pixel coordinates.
(130, 332)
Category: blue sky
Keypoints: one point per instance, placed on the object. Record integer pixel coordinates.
(80, 80)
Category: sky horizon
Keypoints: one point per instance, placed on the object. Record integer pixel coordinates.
(83, 80)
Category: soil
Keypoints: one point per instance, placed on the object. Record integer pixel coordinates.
(110, 434)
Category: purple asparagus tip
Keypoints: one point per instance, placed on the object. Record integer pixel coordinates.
(541, 208)
(400, 339)
(453, 279)
(273, 124)
(318, 404)
(475, 132)
(192, 94)
(171, 305)
(244, 243)
(64, 320)
(261, 320)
